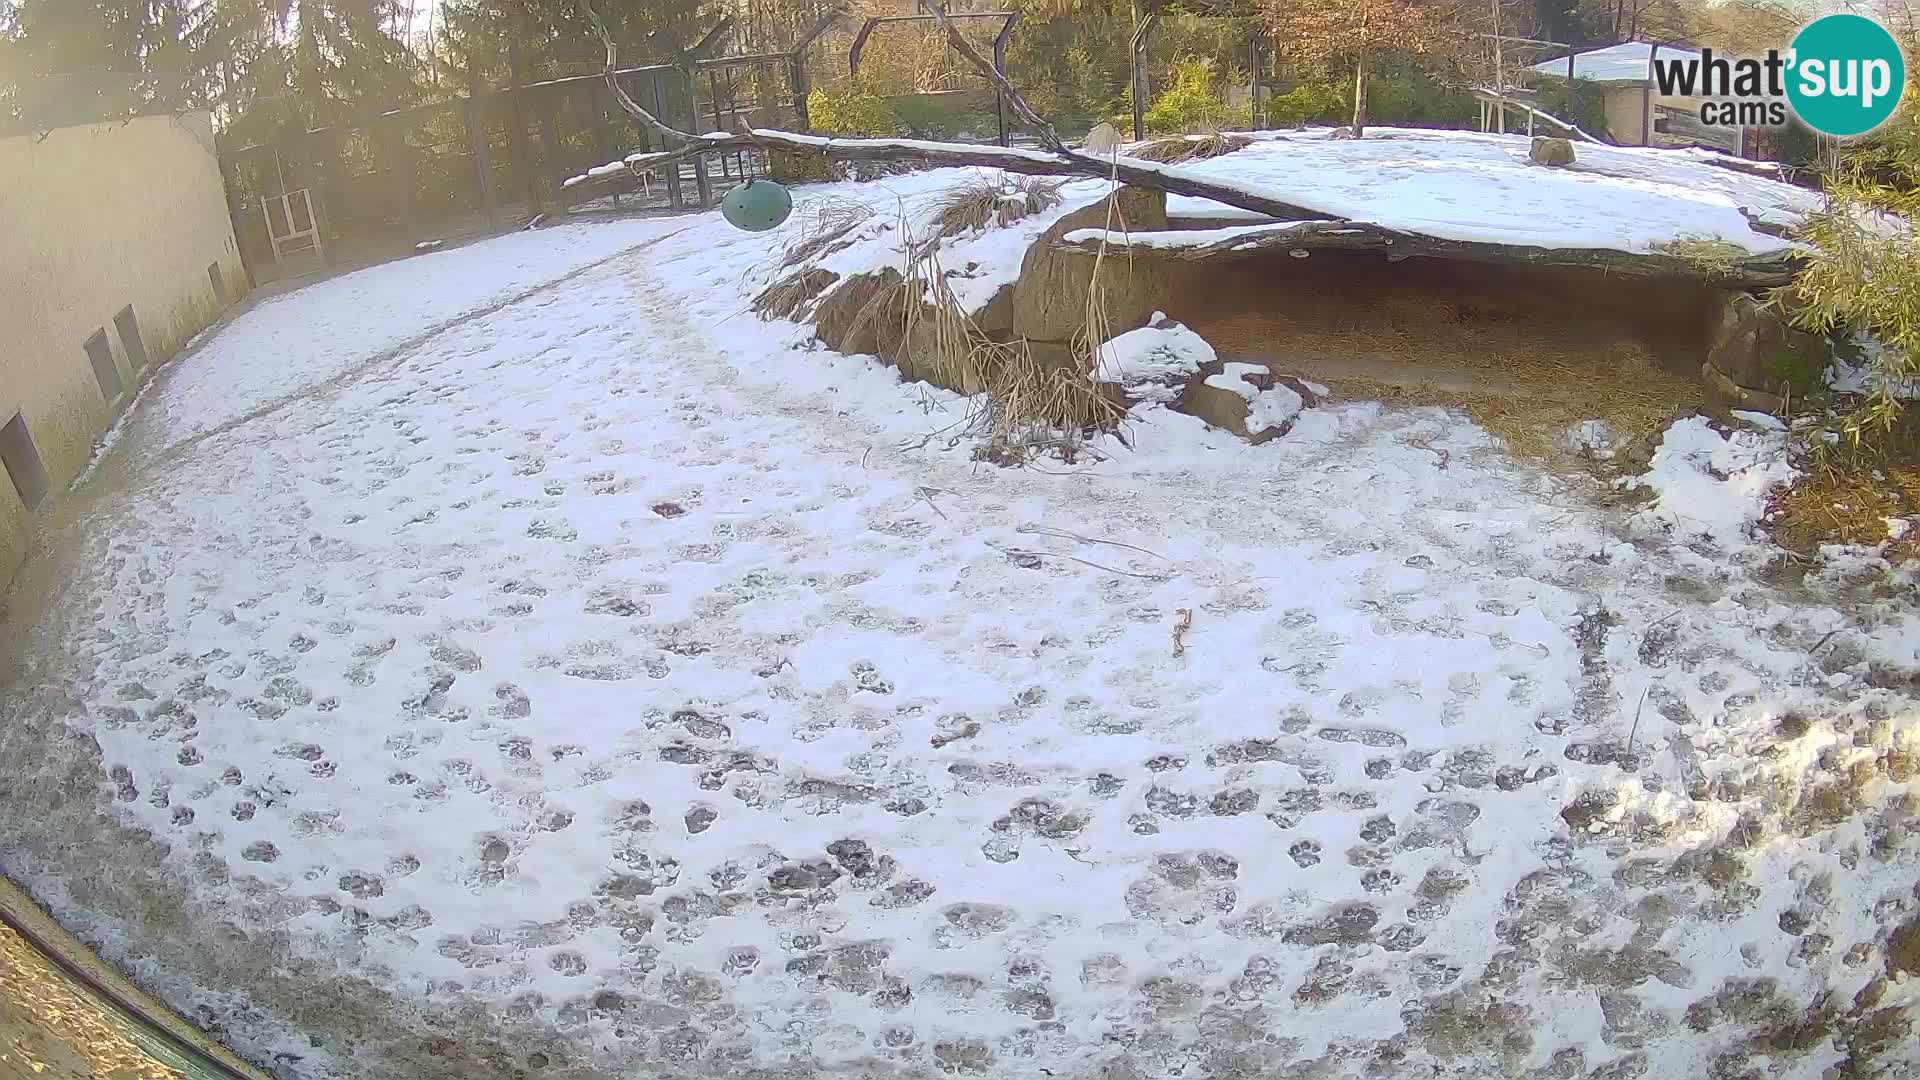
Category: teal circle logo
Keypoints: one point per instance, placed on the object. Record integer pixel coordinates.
(1847, 75)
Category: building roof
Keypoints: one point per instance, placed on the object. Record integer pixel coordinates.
(1624, 63)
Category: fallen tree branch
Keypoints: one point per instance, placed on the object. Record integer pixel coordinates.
(611, 181)
(1304, 237)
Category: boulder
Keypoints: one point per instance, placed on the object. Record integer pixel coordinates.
(1245, 399)
(1730, 393)
(1752, 346)
(1547, 150)
(1050, 300)
(856, 318)
(1155, 363)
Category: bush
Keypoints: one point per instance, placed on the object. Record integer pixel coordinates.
(968, 116)
(1194, 103)
(1864, 271)
(1310, 103)
(1405, 100)
(851, 109)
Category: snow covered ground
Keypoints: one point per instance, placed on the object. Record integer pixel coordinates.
(604, 679)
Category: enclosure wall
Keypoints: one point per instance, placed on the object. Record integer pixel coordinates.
(95, 219)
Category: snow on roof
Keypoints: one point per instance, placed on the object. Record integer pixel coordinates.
(1626, 62)
(1464, 185)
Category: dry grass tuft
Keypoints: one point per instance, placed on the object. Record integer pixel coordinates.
(990, 202)
(1021, 403)
(1708, 254)
(791, 296)
(823, 229)
(1848, 504)
(1181, 148)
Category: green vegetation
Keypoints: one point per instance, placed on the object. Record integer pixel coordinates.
(1195, 102)
(851, 109)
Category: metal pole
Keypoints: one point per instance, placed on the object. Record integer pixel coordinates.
(1646, 98)
(673, 170)
(1141, 89)
(1499, 70)
(1000, 65)
(1253, 66)
(701, 184)
(797, 75)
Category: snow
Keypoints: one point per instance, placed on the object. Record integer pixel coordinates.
(1148, 363)
(1171, 239)
(1866, 376)
(521, 650)
(1461, 185)
(975, 266)
(1715, 484)
(292, 343)
(1630, 61)
(1186, 207)
(1763, 421)
(1273, 407)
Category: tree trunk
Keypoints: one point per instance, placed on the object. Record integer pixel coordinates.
(1360, 96)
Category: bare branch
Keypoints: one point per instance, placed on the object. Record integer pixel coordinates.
(633, 108)
(1041, 129)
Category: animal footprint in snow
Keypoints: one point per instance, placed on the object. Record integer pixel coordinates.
(1375, 737)
(867, 678)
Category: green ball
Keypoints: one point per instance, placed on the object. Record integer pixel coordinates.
(756, 206)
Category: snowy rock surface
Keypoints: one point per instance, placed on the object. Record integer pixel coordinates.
(1150, 363)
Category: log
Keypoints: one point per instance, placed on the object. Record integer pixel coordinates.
(1306, 237)
(609, 181)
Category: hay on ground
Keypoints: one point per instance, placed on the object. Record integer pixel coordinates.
(1708, 254)
(1531, 399)
(1848, 504)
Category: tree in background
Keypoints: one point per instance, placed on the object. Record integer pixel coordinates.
(1356, 36)
(1558, 20)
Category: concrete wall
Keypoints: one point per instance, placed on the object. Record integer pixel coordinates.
(94, 218)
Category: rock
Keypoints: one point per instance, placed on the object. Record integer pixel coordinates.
(1155, 362)
(1754, 347)
(1551, 151)
(1050, 299)
(1728, 392)
(789, 297)
(853, 318)
(1245, 399)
